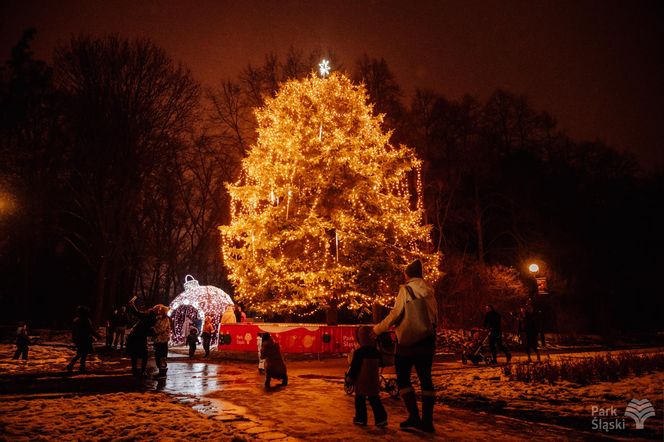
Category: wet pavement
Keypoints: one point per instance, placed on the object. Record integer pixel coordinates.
(314, 405)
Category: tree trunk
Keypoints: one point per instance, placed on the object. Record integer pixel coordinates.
(478, 225)
(101, 290)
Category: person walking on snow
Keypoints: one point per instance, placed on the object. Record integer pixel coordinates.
(83, 335)
(419, 354)
(492, 323)
(22, 341)
(274, 361)
(364, 374)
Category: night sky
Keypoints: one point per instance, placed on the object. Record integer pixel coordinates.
(595, 65)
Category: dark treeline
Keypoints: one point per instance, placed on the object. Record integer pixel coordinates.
(115, 159)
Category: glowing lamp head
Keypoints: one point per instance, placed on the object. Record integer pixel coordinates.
(534, 268)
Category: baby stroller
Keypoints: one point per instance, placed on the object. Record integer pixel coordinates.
(476, 349)
(386, 347)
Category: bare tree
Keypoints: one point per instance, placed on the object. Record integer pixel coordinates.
(127, 108)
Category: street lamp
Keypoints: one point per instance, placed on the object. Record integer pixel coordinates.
(533, 268)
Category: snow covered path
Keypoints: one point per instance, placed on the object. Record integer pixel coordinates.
(314, 406)
(224, 400)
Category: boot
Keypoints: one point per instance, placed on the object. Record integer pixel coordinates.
(427, 414)
(413, 420)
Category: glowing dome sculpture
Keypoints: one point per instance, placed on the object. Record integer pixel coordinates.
(191, 307)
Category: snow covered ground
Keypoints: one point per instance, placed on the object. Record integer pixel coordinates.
(223, 400)
(70, 415)
(489, 389)
(114, 416)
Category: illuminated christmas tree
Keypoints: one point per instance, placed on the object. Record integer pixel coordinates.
(323, 213)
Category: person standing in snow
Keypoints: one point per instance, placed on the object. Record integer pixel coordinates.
(364, 374)
(119, 323)
(274, 361)
(22, 341)
(492, 323)
(137, 340)
(162, 334)
(528, 332)
(83, 335)
(208, 332)
(420, 354)
(261, 361)
(192, 341)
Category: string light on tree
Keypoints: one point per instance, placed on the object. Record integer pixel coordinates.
(322, 212)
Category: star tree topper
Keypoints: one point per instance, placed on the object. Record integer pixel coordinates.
(324, 67)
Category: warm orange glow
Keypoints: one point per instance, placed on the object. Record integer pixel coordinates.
(534, 268)
(322, 212)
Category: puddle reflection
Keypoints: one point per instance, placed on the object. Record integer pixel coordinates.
(191, 378)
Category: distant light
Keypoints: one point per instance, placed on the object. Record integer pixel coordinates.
(534, 268)
(324, 67)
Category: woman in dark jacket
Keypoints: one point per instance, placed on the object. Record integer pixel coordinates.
(83, 335)
(137, 340)
(364, 373)
(274, 362)
(528, 331)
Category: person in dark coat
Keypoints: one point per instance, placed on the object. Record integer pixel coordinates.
(274, 361)
(364, 373)
(22, 341)
(528, 332)
(119, 322)
(492, 323)
(137, 340)
(83, 335)
(192, 341)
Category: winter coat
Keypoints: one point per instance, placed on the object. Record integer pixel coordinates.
(228, 317)
(208, 330)
(421, 289)
(119, 319)
(192, 340)
(492, 322)
(364, 371)
(22, 338)
(528, 329)
(274, 361)
(162, 330)
(83, 334)
(137, 340)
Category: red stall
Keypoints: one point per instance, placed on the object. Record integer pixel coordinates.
(292, 338)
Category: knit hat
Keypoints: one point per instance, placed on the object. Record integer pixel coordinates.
(363, 335)
(414, 269)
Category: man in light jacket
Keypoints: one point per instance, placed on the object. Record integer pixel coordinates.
(419, 354)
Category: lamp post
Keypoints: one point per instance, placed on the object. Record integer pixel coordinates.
(541, 289)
